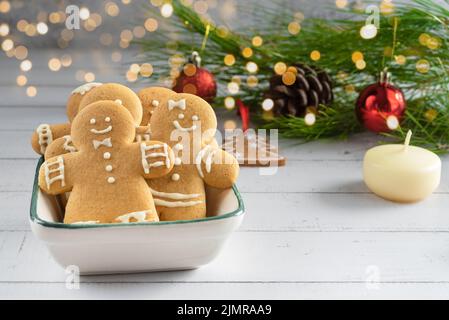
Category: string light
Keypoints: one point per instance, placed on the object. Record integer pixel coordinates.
(423, 38)
(289, 78)
(189, 69)
(4, 29)
(315, 55)
(54, 64)
(310, 118)
(247, 52)
(126, 35)
(236, 79)
(431, 114)
(21, 80)
(392, 122)
(280, 68)
(233, 87)
(66, 60)
(151, 24)
(252, 81)
(7, 45)
(387, 7)
(5, 6)
(229, 103)
(84, 13)
(341, 3)
(139, 32)
(167, 10)
(42, 28)
(201, 7)
(134, 68)
(21, 52)
(368, 31)
(89, 77)
(229, 60)
(189, 88)
(31, 91)
(116, 56)
(356, 56)
(26, 65)
(423, 66)
(267, 104)
(112, 9)
(361, 64)
(400, 59)
(146, 70)
(294, 28)
(257, 41)
(230, 125)
(252, 67)
(131, 76)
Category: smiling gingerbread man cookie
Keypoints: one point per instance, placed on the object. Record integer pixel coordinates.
(45, 134)
(188, 124)
(107, 175)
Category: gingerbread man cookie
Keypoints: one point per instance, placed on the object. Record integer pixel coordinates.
(108, 91)
(107, 175)
(188, 124)
(45, 134)
(151, 98)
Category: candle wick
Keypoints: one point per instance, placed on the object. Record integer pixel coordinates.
(407, 139)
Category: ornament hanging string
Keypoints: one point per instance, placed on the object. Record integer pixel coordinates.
(206, 36)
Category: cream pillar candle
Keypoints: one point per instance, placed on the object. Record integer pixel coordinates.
(401, 173)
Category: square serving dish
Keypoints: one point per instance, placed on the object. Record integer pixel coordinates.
(136, 247)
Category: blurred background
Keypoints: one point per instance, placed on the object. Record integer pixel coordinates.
(39, 53)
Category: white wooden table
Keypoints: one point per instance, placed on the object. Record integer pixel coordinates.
(313, 230)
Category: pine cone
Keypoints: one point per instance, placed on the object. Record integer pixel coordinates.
(312, 87)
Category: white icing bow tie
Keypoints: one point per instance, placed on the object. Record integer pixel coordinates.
(181, 104)
(106, 142)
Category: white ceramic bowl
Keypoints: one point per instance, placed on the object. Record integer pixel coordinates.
(136, 247)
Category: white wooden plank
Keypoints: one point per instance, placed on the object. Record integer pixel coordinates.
(16, 145)
(268, 257)
(14, 210)
(46, 95)
(298, 212)
(28, 118)
(297, 177)
(352, 149)
(225, 291)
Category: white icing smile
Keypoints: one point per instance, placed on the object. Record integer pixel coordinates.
(179, 127)
(95, 131)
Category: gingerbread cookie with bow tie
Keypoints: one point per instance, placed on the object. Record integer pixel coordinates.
(188, 124)
(106, 175)
(45, 134)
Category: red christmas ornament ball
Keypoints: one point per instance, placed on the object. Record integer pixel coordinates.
(380, 107)
(196, 80)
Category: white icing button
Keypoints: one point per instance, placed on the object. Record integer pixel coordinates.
(106, 155)
(195, 118)
(108, 168)
(118, 101)
(177, 161)
(155, 103)
(179, 146)
(107, 119)
(111, 180)
(175, 177)
(181, 116)
(92, 121)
